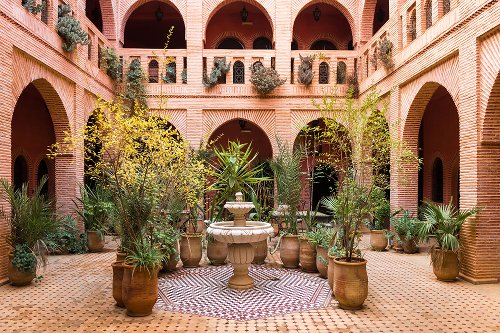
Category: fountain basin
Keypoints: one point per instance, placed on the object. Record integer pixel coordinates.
(227, 232)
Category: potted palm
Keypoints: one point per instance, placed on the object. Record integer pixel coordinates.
(405, 230)
(444, 222)
(31, 219)
(287, 172)
(94, 207)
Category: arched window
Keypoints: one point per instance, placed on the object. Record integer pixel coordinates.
(153, 71)
(231, 43)
(323, 45)
(20, 172)
(93, 12)
(294, 45)
(341, 72)
(437, 180)
(446, 6)
(262, 43)
(428, 14)
(238, 72)
(412, 26)
(43, 170)
(256, 65)
(170, 73)
(324, 74)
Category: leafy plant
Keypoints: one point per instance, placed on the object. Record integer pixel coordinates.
(234, 171)
(184, 76)
(384, 53)
(135, 91)
(219, 70)
(305, 69)
(69, 29)
(352, 86)
(34, 8)
(405, 228)
(24, 259)
(444, 222)
(95, 207)
(66, 238)
(265, 79)
(287, 171)
(166, 236)
(112, 64)
(144, 253)
(31, 218)
(381, 210)
(170, 73)
(324, 237)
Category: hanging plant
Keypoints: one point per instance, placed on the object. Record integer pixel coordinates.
(32, 7)
(184, 76)
(305, 69)
(218, 72)
(265, 79)
(135, 91)
(112, 64)
(170, 73)
(384, 53)
(69, 29)
(352, 86)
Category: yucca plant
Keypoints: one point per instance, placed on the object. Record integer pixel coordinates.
(31, 219)
(444, 222)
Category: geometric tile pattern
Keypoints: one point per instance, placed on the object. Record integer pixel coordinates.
(203, 291)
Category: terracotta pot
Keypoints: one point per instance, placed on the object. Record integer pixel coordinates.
(289, 251)
(397, 245)
(117, 282)
(445, 264)
(17, 277)
(350, 283)
(95, 242)
(378, 241)
(260, 252)
(330, 272)
(171, 264)
(216, 252)
(307, 256)
(139, 290)
(322, 261)
(410, 246)
(200, 227)
(120, 256)
(190, 250)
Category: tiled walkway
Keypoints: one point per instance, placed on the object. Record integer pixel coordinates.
(404, 296)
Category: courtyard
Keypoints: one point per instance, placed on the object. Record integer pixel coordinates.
(403, 296)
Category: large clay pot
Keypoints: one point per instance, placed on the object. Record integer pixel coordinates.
(17, 277)
(190, 250)
(95, 242)
(410, 246)
(307, 256)
(216, 252)
(445, 264)
(330, 272)
(289, 251)
(350, 283)
(260, 252)
(322, 261)
(117, 282)
(139, 289)
(378, 241)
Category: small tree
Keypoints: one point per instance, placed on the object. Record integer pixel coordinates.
(135, 91)
(69, 29)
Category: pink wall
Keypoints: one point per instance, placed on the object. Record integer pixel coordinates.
(32, 133)
(227, 23)
(332, 26)
(441, 139)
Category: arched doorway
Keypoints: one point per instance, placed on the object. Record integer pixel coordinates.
(241, 18)
(321, 26)
(32, 134)
(101, 14)
(439, 147)
(321, 157)
(94, 13)
(375, 15)
(155, 17)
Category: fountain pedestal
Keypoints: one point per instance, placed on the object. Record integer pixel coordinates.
(240, 234)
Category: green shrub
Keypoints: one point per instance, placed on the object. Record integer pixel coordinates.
(32, 7)
(265, 79)
(66, 238)
(70, 30)
(305, 70)
(24, 259)
(135, 83)
(112, 64)
(218, 72)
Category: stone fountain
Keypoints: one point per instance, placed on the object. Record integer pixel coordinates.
(239, 234)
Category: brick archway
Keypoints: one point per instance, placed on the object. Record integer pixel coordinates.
(367, 18)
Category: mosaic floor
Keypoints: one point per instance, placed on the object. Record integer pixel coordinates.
(404, 296)
(204, 291)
